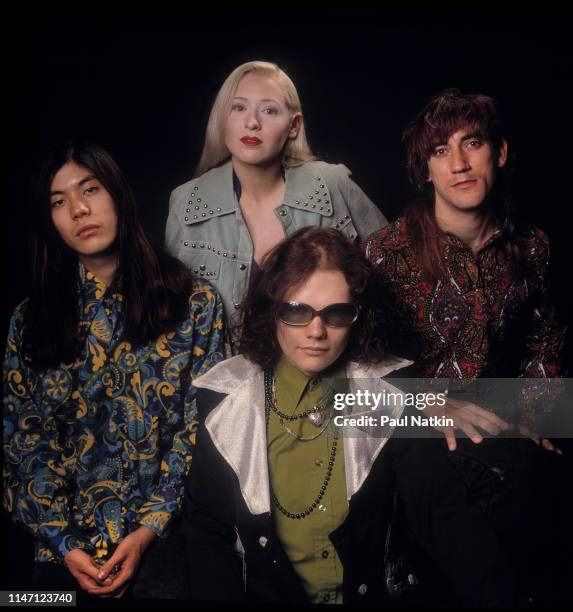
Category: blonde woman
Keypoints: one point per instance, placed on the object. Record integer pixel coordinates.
(257, 182)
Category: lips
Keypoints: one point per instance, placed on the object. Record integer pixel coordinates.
(465, 183)
(313, 351)
(251, 141)
(87, 230)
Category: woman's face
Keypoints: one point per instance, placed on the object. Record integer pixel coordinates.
(259, 123)
(314, 347)
(83, 211)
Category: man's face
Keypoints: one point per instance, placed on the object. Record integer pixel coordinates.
(83, 211)
(463, 171)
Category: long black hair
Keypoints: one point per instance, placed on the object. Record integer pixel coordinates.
(155, 286)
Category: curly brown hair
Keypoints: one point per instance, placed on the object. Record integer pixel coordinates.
(292, 262)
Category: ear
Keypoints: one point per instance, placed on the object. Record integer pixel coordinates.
(502, 156)
(295, 124)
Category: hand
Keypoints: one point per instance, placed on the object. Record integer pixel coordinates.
(544, 442)
(84, 569)
(465, 416)
(126, 557)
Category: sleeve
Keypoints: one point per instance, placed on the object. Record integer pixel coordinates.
(35, 485)
(544, 344)
(366, 216)
(214, 566)
(173, 228)
(209, 346)
(545, 338)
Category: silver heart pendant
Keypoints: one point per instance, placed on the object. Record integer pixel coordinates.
(317, 418)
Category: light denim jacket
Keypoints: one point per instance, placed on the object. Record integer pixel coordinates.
(207, 232)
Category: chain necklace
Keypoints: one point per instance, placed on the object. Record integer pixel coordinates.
(270, 405)
(320, 409)
(316, 415)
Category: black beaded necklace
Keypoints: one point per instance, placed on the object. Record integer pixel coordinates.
(270, 405)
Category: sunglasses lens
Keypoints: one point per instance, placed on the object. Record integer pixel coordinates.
(339, 315)
(295, 314)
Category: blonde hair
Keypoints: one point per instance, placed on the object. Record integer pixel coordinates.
(297, 150)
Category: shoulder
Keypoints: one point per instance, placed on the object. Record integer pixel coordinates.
(393, 236)
(210, 181)
(534, 237)
(535, 248)
(204, 299)
(320, 170)
(334, 171)
(229, 375)
(18, 316)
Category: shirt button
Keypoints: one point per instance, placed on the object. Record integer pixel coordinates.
(318, 462)
(362, 589)
(324, 554)
(322, 508)
(326, 597)
(242, 267)
(282, 212)
(263, 541)
(237, 305)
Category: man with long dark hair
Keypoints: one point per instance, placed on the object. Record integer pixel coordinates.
(467, 288)
(98, 404)
(467, 283)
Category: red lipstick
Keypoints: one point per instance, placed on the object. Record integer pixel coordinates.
(251, 141)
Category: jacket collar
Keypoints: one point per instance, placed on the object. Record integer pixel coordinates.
(238, 429)
(213, 193)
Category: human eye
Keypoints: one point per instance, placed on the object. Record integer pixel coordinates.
(271, 110)
(474, 143)
(439, 151)
(237, 106)
(57, 203)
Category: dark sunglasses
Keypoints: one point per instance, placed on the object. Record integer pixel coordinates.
(334, 315)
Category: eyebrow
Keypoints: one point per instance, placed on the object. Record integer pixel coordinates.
(476, 134)
(263, 100)
(88, 178)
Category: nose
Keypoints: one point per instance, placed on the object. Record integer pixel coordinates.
(79, 208)
(459, 161)
(316, 328)
(252, 120)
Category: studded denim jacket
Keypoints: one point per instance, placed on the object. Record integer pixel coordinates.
(206, 230)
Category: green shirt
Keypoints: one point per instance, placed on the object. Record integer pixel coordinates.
(297, 469)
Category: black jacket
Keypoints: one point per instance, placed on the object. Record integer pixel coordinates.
(232, 549)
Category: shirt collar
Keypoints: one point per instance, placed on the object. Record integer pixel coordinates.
(458, 243)
(92, 288)
(295, 384)
(292, 380)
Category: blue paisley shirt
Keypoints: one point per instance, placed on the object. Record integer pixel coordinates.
(96, 448)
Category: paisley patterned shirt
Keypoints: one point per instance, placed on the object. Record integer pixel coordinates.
(98, 447)
(479, 322)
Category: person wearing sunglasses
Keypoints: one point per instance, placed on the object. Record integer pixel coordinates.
(280, 505)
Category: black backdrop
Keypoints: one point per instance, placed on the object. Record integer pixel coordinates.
(143, 90)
